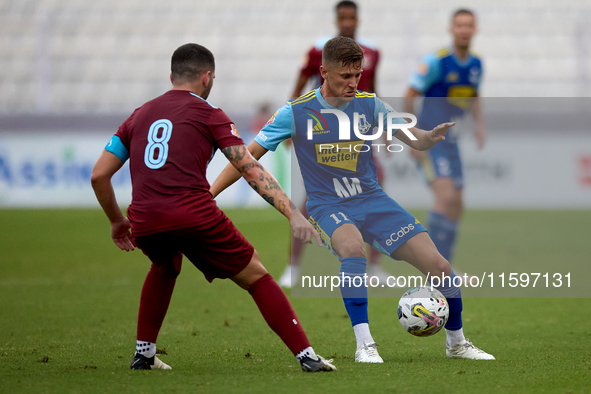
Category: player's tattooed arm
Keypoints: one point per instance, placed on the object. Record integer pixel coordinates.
(231, 174)
(244, 163)
(257, 177)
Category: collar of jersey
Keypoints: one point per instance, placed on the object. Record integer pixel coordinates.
(202, 99)
(325, 104)
(459, 62)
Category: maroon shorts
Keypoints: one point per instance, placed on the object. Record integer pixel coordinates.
(219, 252)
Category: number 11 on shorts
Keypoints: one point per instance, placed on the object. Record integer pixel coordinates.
(337, 220)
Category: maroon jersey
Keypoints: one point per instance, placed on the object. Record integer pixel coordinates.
(371, 56)
(171, 140)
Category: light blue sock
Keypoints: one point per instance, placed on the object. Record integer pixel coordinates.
(355, 297)
(443, 233)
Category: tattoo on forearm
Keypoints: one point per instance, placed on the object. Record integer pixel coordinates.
(272, 184)
(254, 185)
(235, 153)
(246, 167)
(227, 152)
(282, 206)
(240, 151)
(268, 199)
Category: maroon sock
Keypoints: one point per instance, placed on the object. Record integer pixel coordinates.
(154, 302)
(374, 256)
(278, 313)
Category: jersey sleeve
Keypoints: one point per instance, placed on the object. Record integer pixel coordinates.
(385, 109)
(223, 131)
(427, 74)
(124, 132)
(277, 129)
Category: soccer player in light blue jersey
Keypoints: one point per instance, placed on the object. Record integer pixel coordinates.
(449, 80)
(345, 201)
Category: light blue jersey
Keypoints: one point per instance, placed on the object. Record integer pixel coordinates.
(333, 170)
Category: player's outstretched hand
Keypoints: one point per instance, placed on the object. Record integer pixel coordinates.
(121, 234)
(438, 133)
(302, 229)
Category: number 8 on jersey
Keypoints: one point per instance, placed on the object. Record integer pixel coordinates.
(158, 142)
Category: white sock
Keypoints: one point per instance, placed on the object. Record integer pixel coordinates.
(309, 352)
(454, 337)
(147, 349)
(362, 335)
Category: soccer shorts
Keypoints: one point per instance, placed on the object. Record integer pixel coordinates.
(383, 223)
(220, 251)
(443, 161)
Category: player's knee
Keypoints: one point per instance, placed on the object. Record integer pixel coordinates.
(251, 273)
(353, 249)
(447, 200)
(256, 269)
(168, 271)
(440, 266)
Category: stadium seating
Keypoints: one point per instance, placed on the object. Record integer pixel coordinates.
(63, 56)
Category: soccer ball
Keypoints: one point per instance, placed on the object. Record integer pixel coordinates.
(423, 311)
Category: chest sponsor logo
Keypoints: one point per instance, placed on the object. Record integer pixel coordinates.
(452, 77)
(461, 95)
(344, 154)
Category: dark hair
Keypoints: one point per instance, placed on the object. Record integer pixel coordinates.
(189, 61)
(343, 51)
(345, 3)
(463, 11)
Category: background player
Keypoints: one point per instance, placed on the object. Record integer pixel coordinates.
(346, 21)
(452, 73)
(169, 142)
(349, 215)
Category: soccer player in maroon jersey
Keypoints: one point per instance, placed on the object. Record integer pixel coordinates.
(169, 142)
(346, 21)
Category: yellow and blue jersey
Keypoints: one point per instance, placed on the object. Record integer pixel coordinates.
(443, 74)
(333, 170)
(449, 84)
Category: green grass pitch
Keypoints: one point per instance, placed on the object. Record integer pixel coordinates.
(69, 299)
